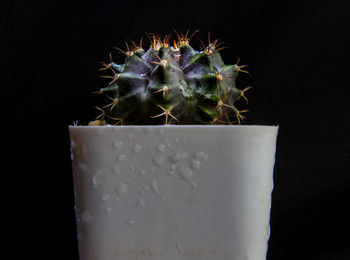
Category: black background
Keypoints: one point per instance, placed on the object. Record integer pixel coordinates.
(298, 55)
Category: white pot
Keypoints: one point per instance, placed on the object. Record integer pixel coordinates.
(173, 192)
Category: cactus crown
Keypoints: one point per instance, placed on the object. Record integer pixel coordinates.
(171, 84)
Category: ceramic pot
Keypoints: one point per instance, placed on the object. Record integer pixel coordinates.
(173, 192)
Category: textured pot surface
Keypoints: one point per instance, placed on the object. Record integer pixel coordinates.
(173, 192)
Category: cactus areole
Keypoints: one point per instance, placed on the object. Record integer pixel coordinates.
(171, 84)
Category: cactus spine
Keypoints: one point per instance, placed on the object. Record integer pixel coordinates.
(171, 85)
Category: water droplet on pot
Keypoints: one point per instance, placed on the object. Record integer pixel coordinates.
(142, 173)
(161, 147)
(86, 217)
(121, 157)
(132, 167)
(137, 148)
(108, 210)
(196, 164)
(158, 160)
(131, 221)
(194, 184)
(82, 167)
(200, 155)
(96, 179)
(155, 187)
(179, 246)
(141, 202)
(121, 188)
(130, 135)
(116, 168)
(118, 144)
(180, 155)
(185, 173)
(105, 197)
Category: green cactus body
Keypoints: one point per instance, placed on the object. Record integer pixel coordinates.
(171, 85)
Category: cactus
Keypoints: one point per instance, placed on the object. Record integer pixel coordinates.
(171, 85)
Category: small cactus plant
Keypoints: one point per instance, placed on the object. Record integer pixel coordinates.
(171, 84)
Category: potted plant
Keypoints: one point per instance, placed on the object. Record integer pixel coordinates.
(163, 172)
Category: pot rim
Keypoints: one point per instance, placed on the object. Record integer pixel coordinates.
(175, 126)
